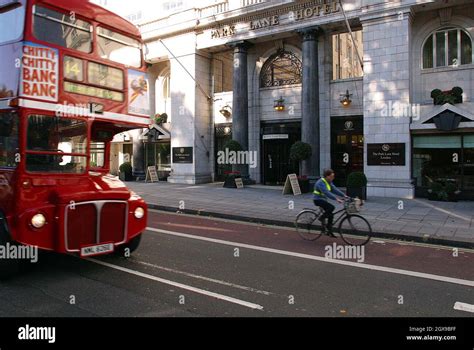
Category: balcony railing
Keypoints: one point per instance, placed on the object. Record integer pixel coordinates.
(223, 6)
(244, 3)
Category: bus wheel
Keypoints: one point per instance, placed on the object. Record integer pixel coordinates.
(8, 267)
(126, 250)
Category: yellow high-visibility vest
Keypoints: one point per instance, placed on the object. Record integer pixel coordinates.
(328, 186)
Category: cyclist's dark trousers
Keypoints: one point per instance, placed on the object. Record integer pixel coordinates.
(328, 210)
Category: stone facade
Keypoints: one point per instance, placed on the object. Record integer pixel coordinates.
(205, 50)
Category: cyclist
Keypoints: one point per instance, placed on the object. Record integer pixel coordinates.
(324, 189)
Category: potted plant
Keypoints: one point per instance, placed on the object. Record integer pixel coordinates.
(452, 192)
(434, 190)
(357, 185)
(300, 151)
(161, 118)
(230, 177)
(445, 192)
(452, 96)
(126, 172)
(303, 181)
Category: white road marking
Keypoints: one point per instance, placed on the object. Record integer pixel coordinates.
(224, 283)
(322, 259)
(464, 307)
(179, 285)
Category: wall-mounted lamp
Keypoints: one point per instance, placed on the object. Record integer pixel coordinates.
(346, 99)
(226, 111)
(227, 130)
(279, 105)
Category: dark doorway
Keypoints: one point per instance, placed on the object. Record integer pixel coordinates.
(277, 140)
(223, 135)
(347, 147)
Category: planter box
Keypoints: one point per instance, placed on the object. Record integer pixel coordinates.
(305, 186)
(359, 192)
(125, 177)
(230, 181)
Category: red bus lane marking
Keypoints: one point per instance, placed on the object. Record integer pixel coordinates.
(318, 258)
(414, 257)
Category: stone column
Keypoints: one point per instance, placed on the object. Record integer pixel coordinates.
(240, 109)
(310, 128)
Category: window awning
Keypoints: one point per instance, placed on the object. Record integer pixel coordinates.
(444, 118)
(156, 133)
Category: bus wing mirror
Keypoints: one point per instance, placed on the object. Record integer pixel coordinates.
(146, 51)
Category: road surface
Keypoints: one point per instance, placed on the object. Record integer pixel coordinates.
(193, 267)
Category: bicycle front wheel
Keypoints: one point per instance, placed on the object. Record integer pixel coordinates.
(355, 230)
(306, 225)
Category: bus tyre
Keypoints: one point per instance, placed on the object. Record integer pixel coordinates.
(8, 267)
(127, 249)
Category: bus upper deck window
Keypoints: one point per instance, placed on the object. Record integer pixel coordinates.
(62, 29)
(119, 48)
(12, 20)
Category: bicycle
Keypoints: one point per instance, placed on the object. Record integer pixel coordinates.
(354, 229)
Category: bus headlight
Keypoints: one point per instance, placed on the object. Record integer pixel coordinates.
(139, 213)
(38, 221)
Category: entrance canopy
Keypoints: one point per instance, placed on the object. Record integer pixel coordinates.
(156, 133)
(444, 118)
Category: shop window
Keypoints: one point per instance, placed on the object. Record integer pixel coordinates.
(444, 159)
(345, 59)
(282, 69)
(447, 47)
(469, 162)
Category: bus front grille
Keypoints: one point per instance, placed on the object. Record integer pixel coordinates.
(98, 222)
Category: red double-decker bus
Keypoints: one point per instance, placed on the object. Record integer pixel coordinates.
(72, 76)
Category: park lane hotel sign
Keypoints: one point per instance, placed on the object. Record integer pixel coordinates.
(386, 154)
(310, 10)
(39, 72)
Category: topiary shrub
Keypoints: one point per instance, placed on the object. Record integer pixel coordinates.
(457, 93)
(452, 96)
(443, 191)
(300, 151)
(233, 145)
(126, 171)
(357, 179)
(357, 185)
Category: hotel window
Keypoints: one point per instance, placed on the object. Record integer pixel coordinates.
(447, 47)
(345, 59)
(282, 69)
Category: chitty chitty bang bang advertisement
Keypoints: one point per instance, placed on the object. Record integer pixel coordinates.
(39, 72)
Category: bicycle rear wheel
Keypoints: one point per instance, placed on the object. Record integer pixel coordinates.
(355, 230)
(306, 225)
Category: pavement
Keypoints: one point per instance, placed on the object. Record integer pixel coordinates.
(416, 220)
(189, 266)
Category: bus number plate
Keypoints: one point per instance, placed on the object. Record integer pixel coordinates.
(95, 250)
